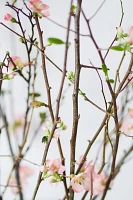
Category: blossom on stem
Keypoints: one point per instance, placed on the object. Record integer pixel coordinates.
(53, 170)
(55, 166)
(83, 180)
(99, 182)
(88, 179)
(8, 17)
(38, 7)
(80, 182)
(17, 62)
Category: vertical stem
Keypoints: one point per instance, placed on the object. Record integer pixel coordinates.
(44, 69)
(75, 94)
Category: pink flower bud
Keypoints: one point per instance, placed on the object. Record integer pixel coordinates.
(43, 168)
(119, 32)
(8, 17)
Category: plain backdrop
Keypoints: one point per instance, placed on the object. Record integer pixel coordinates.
(104, 29)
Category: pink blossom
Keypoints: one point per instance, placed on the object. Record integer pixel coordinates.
(99, 182)
(8, 17)
(83, 180)
(80, 182)
(130, 35)
(38, 7)
(127, 128)
(130, 113)
(17, 62)
(55, 166)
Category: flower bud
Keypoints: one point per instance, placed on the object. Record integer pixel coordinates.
(119, 32)
(8, 76)
(37, 104)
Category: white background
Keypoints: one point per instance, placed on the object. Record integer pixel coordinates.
(104, 29)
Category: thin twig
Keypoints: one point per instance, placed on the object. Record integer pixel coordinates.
(75, 94)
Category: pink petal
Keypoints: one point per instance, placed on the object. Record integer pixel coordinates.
(43, 168)
(87, 184)
(46, 14)
(57, 163)
(77, 187)
(44, 7)
(8, 17)
(61, 170)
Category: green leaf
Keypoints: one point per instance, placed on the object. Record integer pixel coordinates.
(81, 93)
(105, 69)
(73, 8)
(118, 48)
(44, 139)
(35, 94)
(55, 41)
(112, 111)
(42, 116)
(111, 80)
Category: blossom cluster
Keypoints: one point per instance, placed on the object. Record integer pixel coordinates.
(87, 179)
(38, 8)
(48, 127)
(53, 170)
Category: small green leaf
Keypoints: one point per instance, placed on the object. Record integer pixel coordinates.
(105, 69)
(112, 111)
(118, 48)
(13, 20)
(44, 139)
(81, 93)
(55, 41)
(42, 116)
(73, 8)
(35, 94)
(111, 80)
